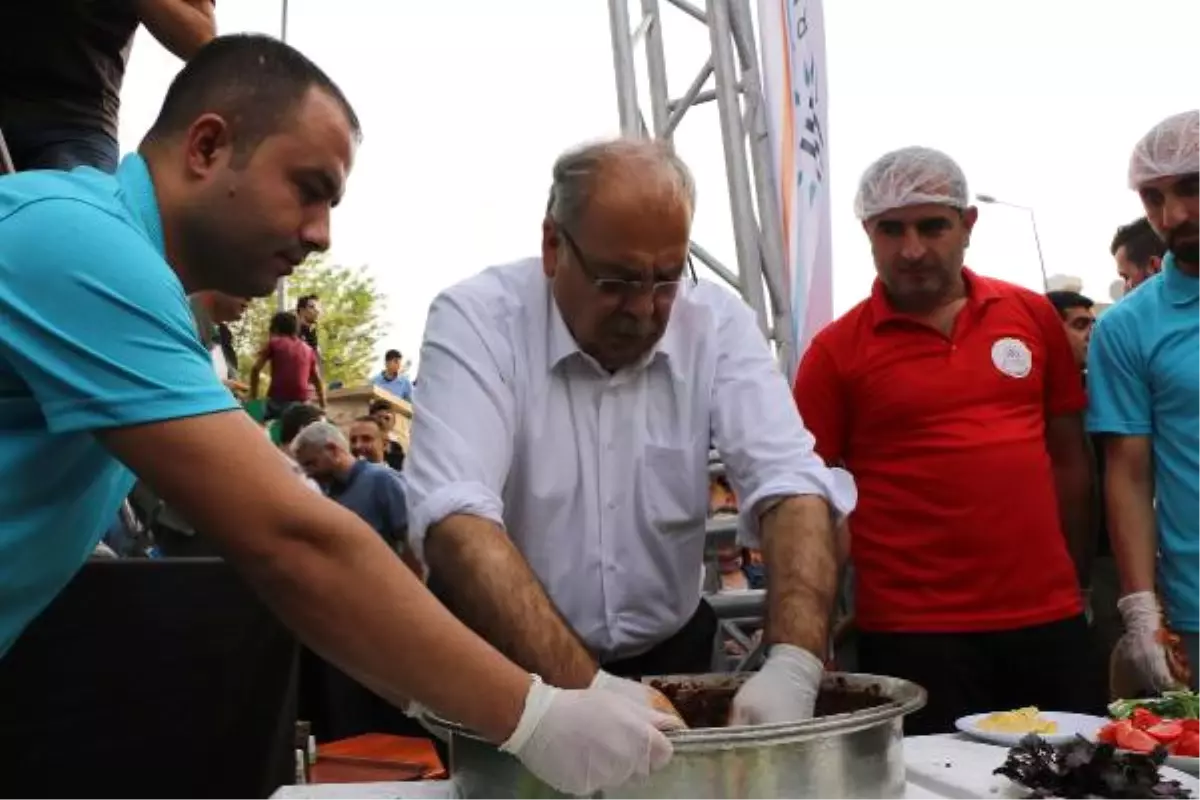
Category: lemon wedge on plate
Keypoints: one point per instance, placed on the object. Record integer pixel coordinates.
(1023, 720)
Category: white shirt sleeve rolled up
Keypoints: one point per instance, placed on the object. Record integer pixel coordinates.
(465, 433)
(757, 429)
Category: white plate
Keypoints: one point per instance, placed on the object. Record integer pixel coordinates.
(1188, 764)
(1069, 726)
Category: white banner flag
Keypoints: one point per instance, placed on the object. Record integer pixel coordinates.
(792, 40)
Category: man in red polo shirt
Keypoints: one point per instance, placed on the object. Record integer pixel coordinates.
(955, 402)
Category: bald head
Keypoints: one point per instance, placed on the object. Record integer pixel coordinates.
(615, 244)
(618, 172)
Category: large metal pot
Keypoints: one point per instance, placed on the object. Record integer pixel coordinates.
(858, 754)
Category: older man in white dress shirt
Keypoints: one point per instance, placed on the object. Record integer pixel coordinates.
(558, 467)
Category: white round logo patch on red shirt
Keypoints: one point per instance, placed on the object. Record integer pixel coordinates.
(1012, 357)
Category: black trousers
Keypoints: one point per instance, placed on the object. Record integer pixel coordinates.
(1107, 626)
(688, 651)
(1046, 666)
(149, 678)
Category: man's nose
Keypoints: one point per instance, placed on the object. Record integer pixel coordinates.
(641, 303)
(912, 247)
(315, 234)
(1174, 212)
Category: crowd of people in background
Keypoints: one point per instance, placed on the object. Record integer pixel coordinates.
(950, 432)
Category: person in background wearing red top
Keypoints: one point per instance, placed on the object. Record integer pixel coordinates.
(293, 366)
(955, 402)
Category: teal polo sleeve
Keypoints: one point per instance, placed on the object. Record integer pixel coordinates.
(1119, 399)
(97, 324)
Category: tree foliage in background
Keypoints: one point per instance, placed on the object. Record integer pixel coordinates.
(350, 326)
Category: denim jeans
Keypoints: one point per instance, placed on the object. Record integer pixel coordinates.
(60, 147)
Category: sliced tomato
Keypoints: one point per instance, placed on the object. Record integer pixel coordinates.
(1135, 740)
(1190, 725)
(1143, 719)
(1187, 745)
(1108, 734)
(1166, 731)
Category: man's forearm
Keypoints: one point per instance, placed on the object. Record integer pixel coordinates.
(801, 556)
(841, 537)
(1131, 527)
(413, 563)
(488, 584)
(181, 26)
(1073, 485)
(334, 582)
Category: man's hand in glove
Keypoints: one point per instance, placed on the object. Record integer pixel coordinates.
(580, 741)
(641, 692)
(1143, 647)
(784, 690)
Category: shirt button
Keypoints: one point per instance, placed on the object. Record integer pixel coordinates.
(611, 505)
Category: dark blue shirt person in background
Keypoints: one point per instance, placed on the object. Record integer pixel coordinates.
(374, 492)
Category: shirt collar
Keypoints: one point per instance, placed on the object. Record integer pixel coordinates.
(337, 487)
(1179, 288)
(137, 193)
(980, 293)
(561, 345)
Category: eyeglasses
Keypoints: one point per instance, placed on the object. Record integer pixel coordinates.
(625, 288)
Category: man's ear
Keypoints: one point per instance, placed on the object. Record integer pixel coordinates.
(550, 243)
(208, 145)
(970, 216)
(1154, 266)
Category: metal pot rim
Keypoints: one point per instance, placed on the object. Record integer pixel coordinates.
(904, 697)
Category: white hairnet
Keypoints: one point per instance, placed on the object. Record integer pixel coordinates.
(1172, 147)
(910, 177)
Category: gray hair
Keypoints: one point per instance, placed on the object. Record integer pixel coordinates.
(321, 434)
(576, 173)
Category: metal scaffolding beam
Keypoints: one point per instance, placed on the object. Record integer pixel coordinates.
(733, 70)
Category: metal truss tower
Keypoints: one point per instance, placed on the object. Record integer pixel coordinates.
(733, 67)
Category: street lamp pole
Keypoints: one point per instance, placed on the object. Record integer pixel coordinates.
(1037, 240)
(281, 298)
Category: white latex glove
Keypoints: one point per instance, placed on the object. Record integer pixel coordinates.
(580, 741)
(622, 686)
(1140, 647)
(784, 690)
(638, 692)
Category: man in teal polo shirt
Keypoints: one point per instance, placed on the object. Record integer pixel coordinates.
(1144, 385)
(103, 377)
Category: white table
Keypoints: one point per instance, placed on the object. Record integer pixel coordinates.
(949, 766)
(435, 790)
(958, 766)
